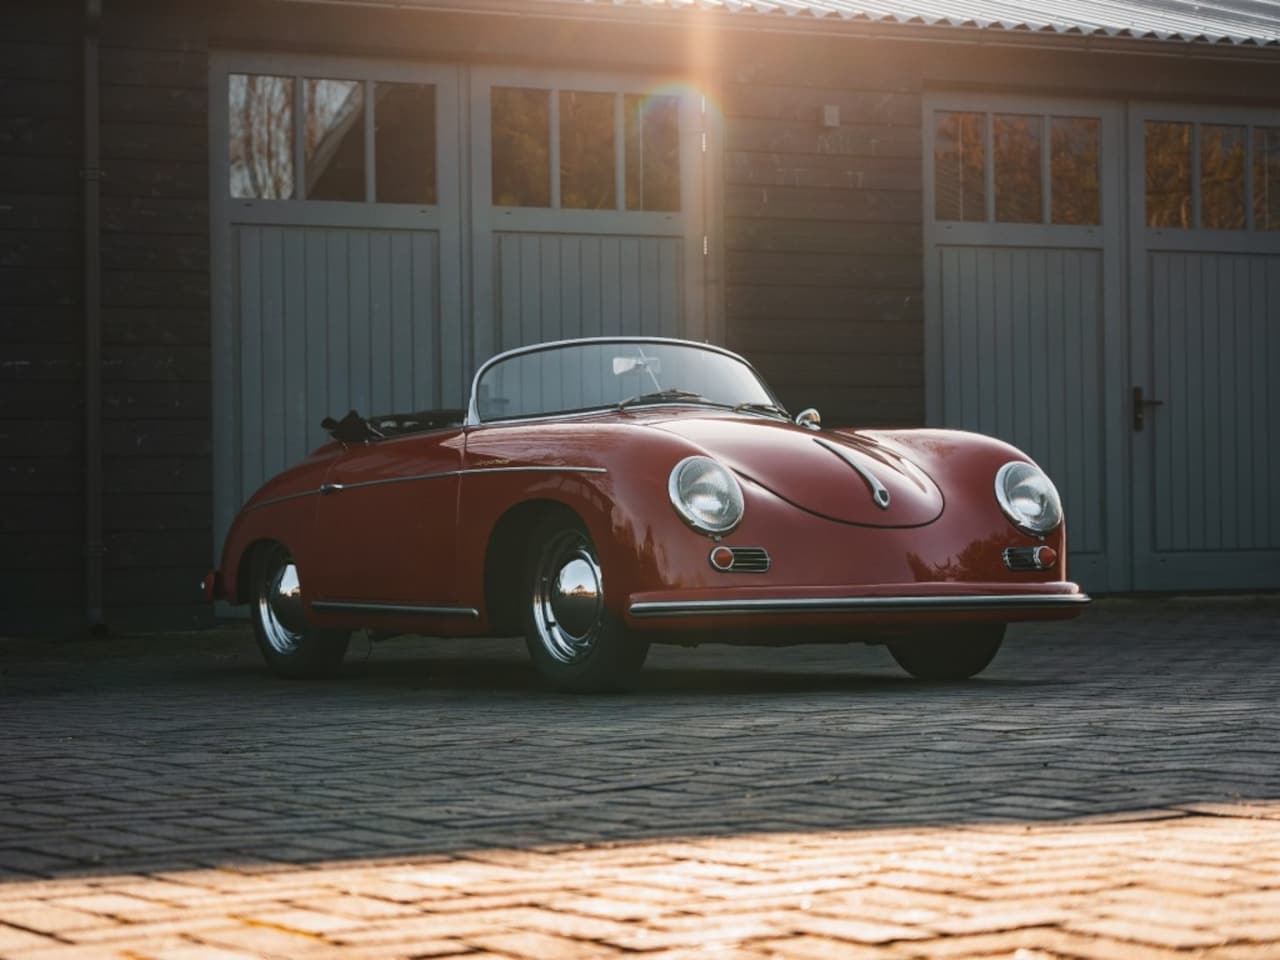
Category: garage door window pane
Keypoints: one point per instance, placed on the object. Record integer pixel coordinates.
(588, 178)
(959, 162)
(260, 111)
(404, 148)
(521, 137)
(333, 133)
(1266, 178)
(1018, 169)
(652, 152)
(1222, 172)
(1168, 174)
(1073, 171)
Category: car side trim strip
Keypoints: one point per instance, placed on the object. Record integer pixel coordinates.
(470, 471)
(333, 488)
(282, 499)
(402, 609)
(694, 608)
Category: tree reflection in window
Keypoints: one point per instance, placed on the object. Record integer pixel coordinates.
(652, 163)
(520, 129)
(1266, 178)
(1222, 177)
(260, 114)
(333, 134)
(959, 166)
(1168, 173)
(1018, 173)
(587, 151)
(1074, 194)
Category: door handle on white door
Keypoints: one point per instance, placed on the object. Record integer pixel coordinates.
(1140, 405)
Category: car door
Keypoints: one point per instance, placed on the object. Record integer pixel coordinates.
(386, 522)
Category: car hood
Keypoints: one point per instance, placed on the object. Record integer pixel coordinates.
(847, 476)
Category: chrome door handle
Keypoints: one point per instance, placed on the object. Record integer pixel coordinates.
(328, 488)
(1140, 405)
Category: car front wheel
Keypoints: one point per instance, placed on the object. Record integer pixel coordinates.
(575, 642)
(958, 653)
(291, 646)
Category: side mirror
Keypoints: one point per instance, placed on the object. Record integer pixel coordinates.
(809, 418)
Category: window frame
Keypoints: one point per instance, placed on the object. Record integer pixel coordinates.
(1197, 120)
(989, 113)
(698, 147)
(1111, 209)
(1196, 237)
(300, 69)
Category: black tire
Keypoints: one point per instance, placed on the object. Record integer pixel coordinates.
(575, 643)
(957, 654)
(291, 647)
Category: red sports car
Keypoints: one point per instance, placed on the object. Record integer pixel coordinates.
(601, 494)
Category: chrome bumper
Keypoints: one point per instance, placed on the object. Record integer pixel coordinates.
(931, 604)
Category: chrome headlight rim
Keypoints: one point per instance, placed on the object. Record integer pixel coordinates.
(1016, 517)
(688, 515)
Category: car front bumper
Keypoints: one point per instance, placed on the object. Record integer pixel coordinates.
(861, 605)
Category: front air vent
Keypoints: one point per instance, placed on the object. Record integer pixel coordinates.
(1021, 559)
(740, 559)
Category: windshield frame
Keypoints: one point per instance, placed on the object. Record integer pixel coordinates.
(473, 413)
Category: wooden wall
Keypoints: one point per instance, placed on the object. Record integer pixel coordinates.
(155, 295)
(821, 252)
(41, 392)
(823, 242)
(155, 316)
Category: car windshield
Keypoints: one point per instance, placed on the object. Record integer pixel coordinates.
(597, 374)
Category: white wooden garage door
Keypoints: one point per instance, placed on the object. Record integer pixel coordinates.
(1141, 375)
(368, 252)
(1205, 269)
(1024, 309)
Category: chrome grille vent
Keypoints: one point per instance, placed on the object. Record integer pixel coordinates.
(740, 559)
(1021, 559)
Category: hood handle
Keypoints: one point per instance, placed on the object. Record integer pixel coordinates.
(879, 492)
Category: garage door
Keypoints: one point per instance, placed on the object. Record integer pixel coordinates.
(1142, 375)
(587, 208)
(375, 235)
(1024, 303)
(1205, 193)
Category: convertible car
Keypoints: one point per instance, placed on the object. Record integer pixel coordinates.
(599, 495)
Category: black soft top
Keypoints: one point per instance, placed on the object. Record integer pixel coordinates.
(354, 428)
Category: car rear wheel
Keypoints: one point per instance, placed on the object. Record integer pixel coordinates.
(575, 642)
(291, 646)
(958, 654)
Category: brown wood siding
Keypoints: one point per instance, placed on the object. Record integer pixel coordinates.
(155, 299)
(820, 233)
(41, 393)
(823, 283)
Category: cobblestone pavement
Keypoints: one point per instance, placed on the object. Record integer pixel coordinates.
(1110, 788)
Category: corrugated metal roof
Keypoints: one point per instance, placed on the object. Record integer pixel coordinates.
(1245, 22)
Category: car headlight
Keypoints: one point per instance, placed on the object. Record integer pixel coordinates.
(1028, 497)
(705, 494)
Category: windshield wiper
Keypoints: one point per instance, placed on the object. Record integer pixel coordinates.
(757, 407)
(660, 395)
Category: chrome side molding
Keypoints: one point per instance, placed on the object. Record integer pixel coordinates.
(394, 609)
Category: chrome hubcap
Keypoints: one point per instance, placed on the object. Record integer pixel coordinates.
(280, 608)
(568, 598)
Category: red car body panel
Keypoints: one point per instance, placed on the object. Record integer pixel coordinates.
(406, 524)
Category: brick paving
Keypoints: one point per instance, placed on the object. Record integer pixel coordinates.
(1110, 788)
